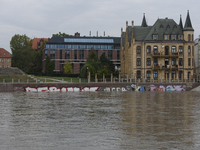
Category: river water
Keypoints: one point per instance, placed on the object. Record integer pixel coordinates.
(100, 121)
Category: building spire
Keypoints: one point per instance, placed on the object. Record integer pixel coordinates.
(180, 23)
(144, 23)
(188, 24)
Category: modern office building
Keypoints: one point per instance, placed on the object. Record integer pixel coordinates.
(75, 49)
(163, 50)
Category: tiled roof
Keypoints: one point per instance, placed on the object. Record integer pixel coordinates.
(4, 53)
(35, 42)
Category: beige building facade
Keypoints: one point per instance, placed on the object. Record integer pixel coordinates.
(164, 51)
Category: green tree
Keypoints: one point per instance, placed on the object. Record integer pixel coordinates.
(49, 66)
(19, 42)
(61, 34)
(106, 62)
(22, 55)
(92, 65)
(68, 68)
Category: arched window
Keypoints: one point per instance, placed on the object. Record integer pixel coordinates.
(188, 75)
(155, 49)
(148, 61)
(138, 50)
(173, 49)
(189, 37)
(148, 49)
(138, 74)
(180, 50)
(189, 50)
(148, 74)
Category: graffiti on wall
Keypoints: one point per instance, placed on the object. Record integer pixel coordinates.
(63, 89)
(152, 87)
(133, 87)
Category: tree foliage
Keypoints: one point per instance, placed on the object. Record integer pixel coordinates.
(23, 56)
(94, 65)
(61, 34)
(49, 66)
(68, 68)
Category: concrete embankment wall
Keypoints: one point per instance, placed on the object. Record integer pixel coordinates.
(11, 87)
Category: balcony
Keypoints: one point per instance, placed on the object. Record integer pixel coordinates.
(165, 55)
(165, 67)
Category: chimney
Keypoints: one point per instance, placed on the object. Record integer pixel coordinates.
(104, 33)
(132, 24)
(97, 33)
(126, 24)
(90, 33)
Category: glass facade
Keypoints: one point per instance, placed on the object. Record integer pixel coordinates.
(77, 46)
(86, 40)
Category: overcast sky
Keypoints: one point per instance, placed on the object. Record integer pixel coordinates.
(42, 18)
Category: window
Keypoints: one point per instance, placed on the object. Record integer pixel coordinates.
(173, 49)
(46, 53)
(118, 54)
(75, 54)
(2, 59)
(180, 49)
(180, 61)
(138, 62)
(7, 60)
(155, 49)
(161, 26)
(173, 74)
(181, 37)
(67, 54)
(188, 61)
(189, 50)
(52, 54)
(173, 61)
(148, 74)
(173, 37)
(81, 54)
(155, 74)
(155, 37)
(166, 37)
(138, 74)
(138, 50)
(148, 61)
(189, 37)
(148, 49)
(180, 73)
(110, 54)
(60, 54)
(155, 61)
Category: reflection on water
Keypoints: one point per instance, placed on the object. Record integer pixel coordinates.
(100, 120)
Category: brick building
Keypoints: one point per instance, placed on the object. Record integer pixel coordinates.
(75, 49)
(38, 42)
(5, 58)
(164, 50)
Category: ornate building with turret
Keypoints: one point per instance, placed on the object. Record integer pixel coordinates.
(162, 51)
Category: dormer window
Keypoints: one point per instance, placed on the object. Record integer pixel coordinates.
(180, 37)
(155, 37)
(161, 26)
(173, 37)
(166, 37)
(168, 26)
(175, 26)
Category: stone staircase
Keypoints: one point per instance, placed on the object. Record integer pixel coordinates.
(11, 71)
